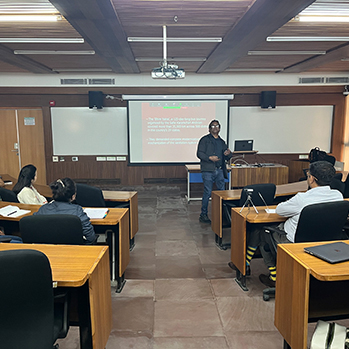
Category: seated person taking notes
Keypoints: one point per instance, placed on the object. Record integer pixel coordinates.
(319, 177)
(24, 188)
(63, 193)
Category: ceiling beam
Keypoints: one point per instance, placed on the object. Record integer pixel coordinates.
(98, 24)
(261, 20)
(335, 54)
(23, 62)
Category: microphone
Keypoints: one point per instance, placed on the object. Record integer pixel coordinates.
(260, 195)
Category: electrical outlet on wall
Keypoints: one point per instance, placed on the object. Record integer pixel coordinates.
(74, 158)
(54, 158)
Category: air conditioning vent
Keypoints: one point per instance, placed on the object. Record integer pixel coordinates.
(73, 81)
(339, 80)
(311, 80)
(101, 81)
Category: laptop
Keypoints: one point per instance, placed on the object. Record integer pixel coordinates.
(332, 253)
(243, 145)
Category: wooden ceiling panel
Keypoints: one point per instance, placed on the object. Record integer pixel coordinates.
(243, 25)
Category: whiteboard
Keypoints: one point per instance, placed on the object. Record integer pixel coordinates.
(283, 130)
(84, 131)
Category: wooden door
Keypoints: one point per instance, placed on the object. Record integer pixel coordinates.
(24, 128)
(31, 140)
(9, 157)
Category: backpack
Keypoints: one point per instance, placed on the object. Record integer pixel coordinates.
(317, 155)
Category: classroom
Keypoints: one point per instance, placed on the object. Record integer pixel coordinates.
(116, 94)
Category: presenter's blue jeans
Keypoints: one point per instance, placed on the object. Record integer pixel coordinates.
(209, 178)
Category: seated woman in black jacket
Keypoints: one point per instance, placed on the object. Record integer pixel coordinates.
(63, 193)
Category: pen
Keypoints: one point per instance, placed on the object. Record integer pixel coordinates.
(11, 213)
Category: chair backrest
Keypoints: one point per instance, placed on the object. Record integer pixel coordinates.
(88, 196)
(8, 195)
(346, 189)
(338, 184)
(51, 229)
(27, 313)
(322, 222)
(267, 190)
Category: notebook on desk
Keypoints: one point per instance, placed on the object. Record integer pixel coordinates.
(243, 145)
(332, 253)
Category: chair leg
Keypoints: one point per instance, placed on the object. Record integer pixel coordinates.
(241, 280)
(132, 244)
(120, 283)
(219, 243)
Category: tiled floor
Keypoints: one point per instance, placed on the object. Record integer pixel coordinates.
(180, 292)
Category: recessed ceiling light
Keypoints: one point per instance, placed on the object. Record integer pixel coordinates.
(30, 18)
(42, 40)
(273, 53)
(307, 38)
(148, 39)
(48, 52)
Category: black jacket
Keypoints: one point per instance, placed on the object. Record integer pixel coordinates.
(206, 148)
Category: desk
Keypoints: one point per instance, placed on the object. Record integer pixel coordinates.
(238, 236)
(132, 198)
(85, 270)
(218, 197)
(119, 247)
(307, 288)
(109, 195)
(194, 176)
(240, 176)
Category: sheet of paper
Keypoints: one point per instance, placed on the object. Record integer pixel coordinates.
(12, 211)
(270, 210)
(96, 213)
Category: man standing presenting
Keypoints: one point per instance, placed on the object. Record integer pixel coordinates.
(212, 152)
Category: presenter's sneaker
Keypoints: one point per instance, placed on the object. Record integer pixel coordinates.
(204, 219)
(265, 279)
(233, 266)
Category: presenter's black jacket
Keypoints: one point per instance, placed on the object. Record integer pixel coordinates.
(207, 148)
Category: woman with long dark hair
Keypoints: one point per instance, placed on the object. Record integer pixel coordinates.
(24, 188)
(63, 193)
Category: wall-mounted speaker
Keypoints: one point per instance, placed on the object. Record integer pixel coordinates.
(95, 99)
(268, 99)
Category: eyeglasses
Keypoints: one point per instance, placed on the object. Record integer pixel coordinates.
(215, 126)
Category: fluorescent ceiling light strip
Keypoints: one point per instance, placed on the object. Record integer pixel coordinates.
(274, 53)
(30, 18)
(75, 70)
(175, 97)
(177, 59)
(307, 38)
(253, 69)
(47, 52)
(140, 39)
(42, 40)
(327, 19)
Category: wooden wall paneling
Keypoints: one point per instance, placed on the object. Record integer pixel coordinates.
(87, 167)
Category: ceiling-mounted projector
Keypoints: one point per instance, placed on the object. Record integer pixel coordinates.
(166, 70)
(169, 72)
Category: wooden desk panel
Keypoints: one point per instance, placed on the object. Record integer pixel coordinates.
(307, 287)
(76, 267)
(242, 176)
(238, 231)
(126, 196)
